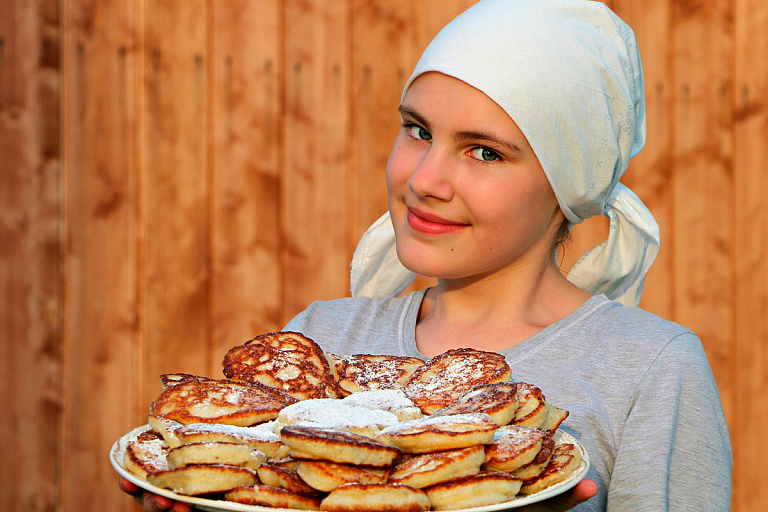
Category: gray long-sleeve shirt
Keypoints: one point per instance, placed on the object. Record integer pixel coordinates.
(640, 391)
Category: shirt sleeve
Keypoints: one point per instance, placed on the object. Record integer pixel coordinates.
(674, 452)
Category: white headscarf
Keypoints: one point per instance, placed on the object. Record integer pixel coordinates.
(568, 72)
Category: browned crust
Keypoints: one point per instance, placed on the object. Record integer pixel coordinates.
(365, 371)
(332, 438)
(444, 378)
(255, 403)
(268, 496)
(263, 359)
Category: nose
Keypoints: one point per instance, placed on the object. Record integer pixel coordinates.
(432, 176)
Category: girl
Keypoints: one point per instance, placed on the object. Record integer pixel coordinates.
(517, 123)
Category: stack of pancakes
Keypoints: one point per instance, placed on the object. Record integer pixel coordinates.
(293, 427)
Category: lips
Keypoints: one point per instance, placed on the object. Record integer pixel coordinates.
(427, 223)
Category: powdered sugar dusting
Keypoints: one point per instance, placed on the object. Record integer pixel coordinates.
(256, 433)
(478, 419)
(332, 413)
(381, 399)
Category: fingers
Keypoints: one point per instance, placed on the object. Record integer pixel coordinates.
(129, 487)
(583, 491)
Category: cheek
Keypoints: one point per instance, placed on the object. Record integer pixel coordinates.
(398, 169)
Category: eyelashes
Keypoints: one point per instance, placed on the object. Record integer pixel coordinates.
(482, 154)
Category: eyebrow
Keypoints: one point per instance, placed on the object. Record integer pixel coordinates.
(465, 134)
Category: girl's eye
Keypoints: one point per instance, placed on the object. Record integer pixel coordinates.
(485, 154)
(418, 132)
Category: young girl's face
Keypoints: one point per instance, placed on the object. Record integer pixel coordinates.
(467, 195)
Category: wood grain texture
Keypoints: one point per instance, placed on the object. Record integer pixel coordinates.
(750, 335)
(703, 181)
(31, 319)
(246, 240)
(102, 351)
(315, 172)
(177, 176)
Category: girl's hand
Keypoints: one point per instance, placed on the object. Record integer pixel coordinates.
(152, 502)
(583, 491)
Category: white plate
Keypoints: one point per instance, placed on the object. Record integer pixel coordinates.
(118, 451)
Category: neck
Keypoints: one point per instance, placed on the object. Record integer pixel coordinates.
(494, 312)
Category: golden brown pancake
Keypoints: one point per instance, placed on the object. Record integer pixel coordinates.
(276, 475)
(482, 489)
(565, 460)
(326, 476)
(233, 454)
(203, 479)
(375, 498)
(336, 414)
(336, 446)
(436, 433)
(434, 468)
(444, 378)
(364, 372)
(288, 361)
(497, 400)
(146, 454)
(259, 437)
(532, 411)
(513, 447)
(267, 496)
(218, 401)
(538, 465)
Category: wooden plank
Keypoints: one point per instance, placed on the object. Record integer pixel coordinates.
(247, 269)
(376, 87)
(176, 190)
(750, 336)
(102, 349)
(315, 209)
(650, 173)
(30, 249)
(703, 182)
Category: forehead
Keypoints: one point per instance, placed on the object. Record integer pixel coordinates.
(442, 102)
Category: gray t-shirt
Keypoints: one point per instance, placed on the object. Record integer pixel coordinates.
(640, 392)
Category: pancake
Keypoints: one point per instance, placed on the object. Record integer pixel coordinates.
(261, 438)
(146, 454)
(513, 447)
(287, 361)
(327, 476)
(166, 428)
(218, 401)
(564, 461)
(434, 468)
(275, 475)
(365, 372)
(267, 496)
(234, 454)
(482, 489)
(390, 400)
(436, 433)
(203, 479)
(532, 411)
(335, 414)
(336, 446)
(497, 400)
(444, 378)
(375, 498)
(538, 465)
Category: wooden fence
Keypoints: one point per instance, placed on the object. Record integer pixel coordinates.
(177, 176)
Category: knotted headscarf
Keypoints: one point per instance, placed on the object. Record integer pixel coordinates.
(568, 73)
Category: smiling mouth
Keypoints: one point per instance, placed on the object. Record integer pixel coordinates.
(426, 223)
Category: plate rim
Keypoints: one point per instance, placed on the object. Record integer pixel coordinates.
(118, 449)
